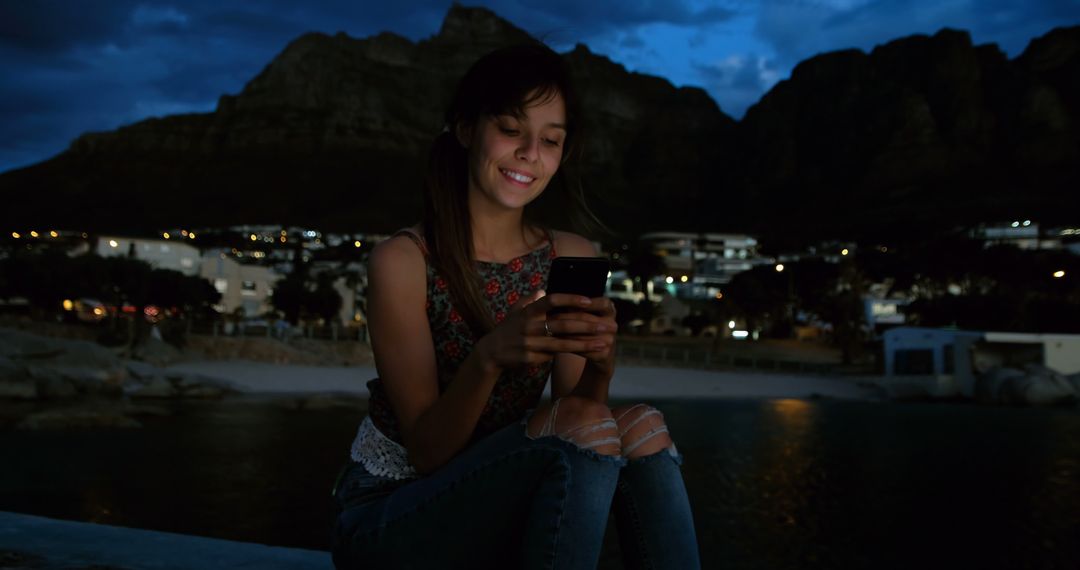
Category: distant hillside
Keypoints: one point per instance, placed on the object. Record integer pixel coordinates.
(922, 133)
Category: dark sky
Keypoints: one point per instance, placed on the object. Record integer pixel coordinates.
(71, 66)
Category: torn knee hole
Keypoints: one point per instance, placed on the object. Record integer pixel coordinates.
(593, 434)
(626, 425)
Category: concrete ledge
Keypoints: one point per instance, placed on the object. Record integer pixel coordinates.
(50, 543)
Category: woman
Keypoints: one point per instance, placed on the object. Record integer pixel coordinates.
(458, 464)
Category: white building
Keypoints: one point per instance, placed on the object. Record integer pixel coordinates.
(159, 253)
(707, 261)
(247, 287)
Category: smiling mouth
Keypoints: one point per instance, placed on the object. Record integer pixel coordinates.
(516, 176)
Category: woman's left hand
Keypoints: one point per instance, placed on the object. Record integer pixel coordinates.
(596, 323)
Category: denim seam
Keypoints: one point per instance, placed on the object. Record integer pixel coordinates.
(635, 521)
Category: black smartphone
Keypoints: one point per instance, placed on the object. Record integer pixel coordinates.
(585, 276)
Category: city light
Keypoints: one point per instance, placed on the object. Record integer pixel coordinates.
(684, 279)
(884, 249)
(282, 239)
(1016, 224)
(84, 235)
(719, 295)
(54, 234)
(113, 243)
(33, 234)
(1027, 223)
(68, 305)
(184, 233)
(253, 238)
(740, 334)
(191, 235)
(1059, 274)
(779, 267)
(355, 243)
(670, 280)
(731, 324)
(15, 235)
(165, 235)
(844, 251)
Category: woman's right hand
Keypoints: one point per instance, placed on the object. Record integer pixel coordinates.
(522, 338)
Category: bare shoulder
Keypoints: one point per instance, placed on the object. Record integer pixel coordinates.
(571, 244)
(397, 257)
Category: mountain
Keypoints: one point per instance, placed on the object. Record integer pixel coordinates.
(921, 134)
(334, 133)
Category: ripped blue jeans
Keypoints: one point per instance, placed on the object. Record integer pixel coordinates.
(512, 501)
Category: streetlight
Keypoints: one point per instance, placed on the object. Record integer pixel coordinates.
(779, 267)
(1059, 274)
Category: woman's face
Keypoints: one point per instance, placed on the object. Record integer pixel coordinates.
(511, 159)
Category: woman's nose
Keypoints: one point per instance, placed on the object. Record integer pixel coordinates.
(529, 150)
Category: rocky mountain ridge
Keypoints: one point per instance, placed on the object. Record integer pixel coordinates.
(925, 131)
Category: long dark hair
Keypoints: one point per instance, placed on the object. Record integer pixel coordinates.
(503, 82)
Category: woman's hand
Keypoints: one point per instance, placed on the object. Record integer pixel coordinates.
(530, 335)
(594, 323)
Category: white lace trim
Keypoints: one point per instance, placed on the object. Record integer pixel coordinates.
(379, 454)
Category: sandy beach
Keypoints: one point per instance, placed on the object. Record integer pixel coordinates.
(629, 381)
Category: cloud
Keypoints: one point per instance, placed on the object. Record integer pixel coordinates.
(798, 29)
(738, 81)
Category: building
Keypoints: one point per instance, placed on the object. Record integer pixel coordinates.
(698, 265)
(159, 253)
(245, 287)
(1023, 234)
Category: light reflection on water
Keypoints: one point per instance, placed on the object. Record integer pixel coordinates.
(774, 483)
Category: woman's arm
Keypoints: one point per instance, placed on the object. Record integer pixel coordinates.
(433, 428)
(586, 375)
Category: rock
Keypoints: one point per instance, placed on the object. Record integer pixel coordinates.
(1034, 385)
(77, 418)
(15, 383)
(156, 387)
(1074, 380)
(199, 386)
(1047, 387)
(86, 381)
(142, 371)
(158, 352)
(50, 362)
(989, 387)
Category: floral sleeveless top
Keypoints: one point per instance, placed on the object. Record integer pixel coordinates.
(517, 390)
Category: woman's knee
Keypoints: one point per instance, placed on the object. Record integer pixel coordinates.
(586, 423)
(642, 430)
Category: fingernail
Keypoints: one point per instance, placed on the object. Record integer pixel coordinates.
(585, 301)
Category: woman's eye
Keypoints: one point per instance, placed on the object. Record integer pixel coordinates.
(552, 142)
(509, 131)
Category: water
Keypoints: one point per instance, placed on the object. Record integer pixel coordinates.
(774, 483)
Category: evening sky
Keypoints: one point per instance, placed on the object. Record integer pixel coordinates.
(71, 66)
